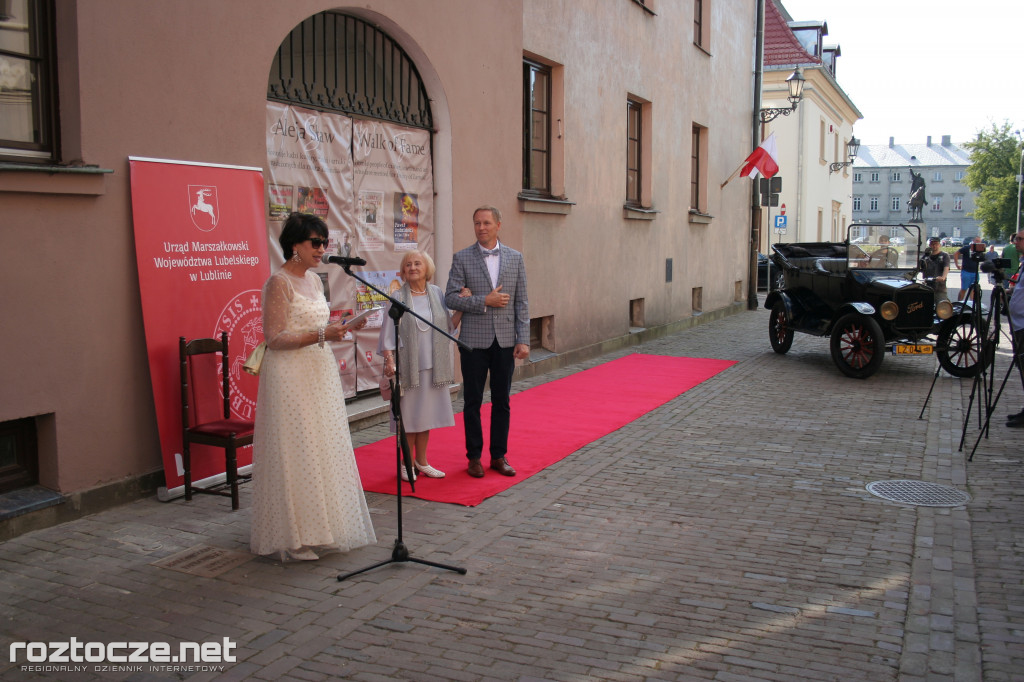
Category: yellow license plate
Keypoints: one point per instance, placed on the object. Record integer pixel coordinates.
(912, 349)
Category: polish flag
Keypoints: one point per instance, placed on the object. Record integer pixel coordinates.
(762, 161)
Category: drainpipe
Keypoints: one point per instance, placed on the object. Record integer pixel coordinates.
(755, 204)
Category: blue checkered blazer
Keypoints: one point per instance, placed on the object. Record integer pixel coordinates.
(482, 325)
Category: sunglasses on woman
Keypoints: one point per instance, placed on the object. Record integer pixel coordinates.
(317, 242)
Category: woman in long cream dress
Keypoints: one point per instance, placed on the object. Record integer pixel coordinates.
(307, 496)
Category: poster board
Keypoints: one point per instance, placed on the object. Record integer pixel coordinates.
(372, 183)
(200, 245)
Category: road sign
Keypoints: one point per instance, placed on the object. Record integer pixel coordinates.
(780, 222)
(770, 188)
(783, 210)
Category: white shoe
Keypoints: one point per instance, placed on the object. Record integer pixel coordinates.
(428, 471)
(405, 475)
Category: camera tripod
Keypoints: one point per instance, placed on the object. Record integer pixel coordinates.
(988, 330)
(990, 340)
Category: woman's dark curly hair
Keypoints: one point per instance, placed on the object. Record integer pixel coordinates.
(298, 228)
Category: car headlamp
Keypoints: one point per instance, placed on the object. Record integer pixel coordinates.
(944, 309)
(889, 311)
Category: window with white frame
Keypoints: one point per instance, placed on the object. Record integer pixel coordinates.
(937, 177)
(856, 203)
(936, 202)
(874, 176)
(958, 203)
(959, 176)
(873, 204)
(896, 202)
(858, 177)
(896, 176)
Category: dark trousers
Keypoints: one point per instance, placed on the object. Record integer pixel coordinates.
(476, 364)
(1018, 342)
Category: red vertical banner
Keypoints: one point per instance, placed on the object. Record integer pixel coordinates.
(200, 244)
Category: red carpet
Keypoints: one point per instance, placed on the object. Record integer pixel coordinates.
(549, 422)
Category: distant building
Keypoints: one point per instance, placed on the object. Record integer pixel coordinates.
(881, 186)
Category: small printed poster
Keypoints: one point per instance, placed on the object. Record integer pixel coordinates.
(370, 217)
(407, 215)
(312, 200)
(281, 199)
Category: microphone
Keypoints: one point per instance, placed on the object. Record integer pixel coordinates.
(343, 261)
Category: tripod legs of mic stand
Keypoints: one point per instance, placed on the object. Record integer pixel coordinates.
(400, 553)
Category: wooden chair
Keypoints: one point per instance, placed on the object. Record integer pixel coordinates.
(208, 426)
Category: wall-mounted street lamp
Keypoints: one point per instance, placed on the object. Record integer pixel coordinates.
(795, 83)
(852, 147)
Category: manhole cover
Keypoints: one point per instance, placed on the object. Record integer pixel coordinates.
(920, 493)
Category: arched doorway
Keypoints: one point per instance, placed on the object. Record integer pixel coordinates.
(349, 138)
(338, 62)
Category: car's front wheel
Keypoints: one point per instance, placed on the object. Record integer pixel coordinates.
(779, 333)
(858, 345)
(959, 347)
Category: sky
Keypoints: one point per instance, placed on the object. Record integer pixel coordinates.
(914, 69)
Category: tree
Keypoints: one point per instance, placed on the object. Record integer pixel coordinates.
(995, 156)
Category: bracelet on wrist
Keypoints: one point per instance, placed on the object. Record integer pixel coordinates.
(320, 333)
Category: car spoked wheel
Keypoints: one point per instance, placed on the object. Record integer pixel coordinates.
(857, 345)
(959, 347)
(779, 332)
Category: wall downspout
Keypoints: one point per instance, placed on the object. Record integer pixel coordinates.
(755, 204)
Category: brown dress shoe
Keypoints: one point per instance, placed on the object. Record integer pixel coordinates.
(475, 469)
(502, 467)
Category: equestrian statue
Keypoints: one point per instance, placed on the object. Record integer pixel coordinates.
(917, 196)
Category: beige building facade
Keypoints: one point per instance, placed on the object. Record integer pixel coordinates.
(613, 196)
(816, 194)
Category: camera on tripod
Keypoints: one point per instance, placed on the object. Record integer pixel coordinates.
(995, 267)
(977, 252)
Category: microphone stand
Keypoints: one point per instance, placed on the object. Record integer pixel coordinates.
(400, 553)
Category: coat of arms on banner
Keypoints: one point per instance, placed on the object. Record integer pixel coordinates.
(203, 206)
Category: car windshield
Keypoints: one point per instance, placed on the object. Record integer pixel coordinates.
(883, 247)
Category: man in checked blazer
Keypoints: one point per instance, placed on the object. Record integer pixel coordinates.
(496, 326)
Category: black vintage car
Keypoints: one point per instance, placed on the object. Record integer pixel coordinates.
(865, 295)
(767, 274)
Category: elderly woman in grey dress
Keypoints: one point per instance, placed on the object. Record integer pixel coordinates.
(425, 357)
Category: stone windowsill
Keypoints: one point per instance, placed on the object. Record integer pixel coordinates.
(53, 179)
(639, 213)
(700, 218)
(531, 204)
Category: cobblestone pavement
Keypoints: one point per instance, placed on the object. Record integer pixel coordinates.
(727, 535)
